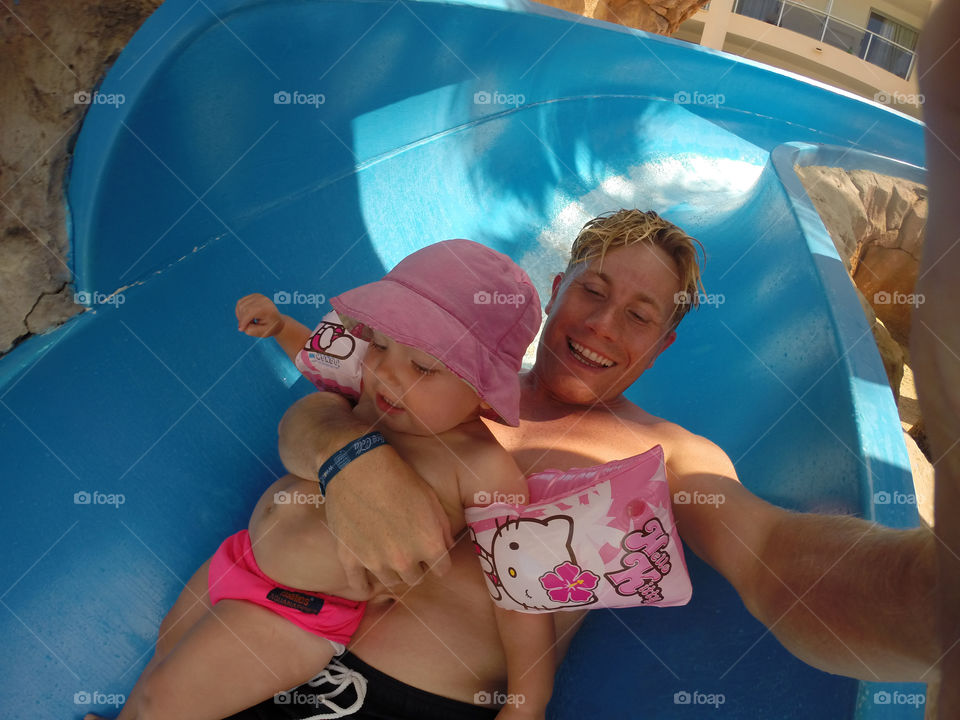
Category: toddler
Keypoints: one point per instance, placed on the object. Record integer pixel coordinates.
(254, 621)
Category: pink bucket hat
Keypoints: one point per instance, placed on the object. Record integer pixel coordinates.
(469, 306)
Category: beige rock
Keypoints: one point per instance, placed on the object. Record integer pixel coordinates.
(51, 50)
(837, 200)
(901, 199)
(886, 277)
(875, 192)
(922, 472)
(912, 229)
(657, 16)
(52, 309)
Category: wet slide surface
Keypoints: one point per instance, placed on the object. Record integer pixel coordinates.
(302, 148)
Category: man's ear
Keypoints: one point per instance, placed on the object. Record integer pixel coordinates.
(665, 343)
(554, 291)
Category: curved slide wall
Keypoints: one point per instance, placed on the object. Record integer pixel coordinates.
(141, 433)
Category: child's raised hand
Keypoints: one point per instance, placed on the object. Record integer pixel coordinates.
(257, 316)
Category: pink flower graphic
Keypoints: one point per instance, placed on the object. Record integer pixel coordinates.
(569, 583)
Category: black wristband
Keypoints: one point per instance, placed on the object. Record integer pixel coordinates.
(347, 454)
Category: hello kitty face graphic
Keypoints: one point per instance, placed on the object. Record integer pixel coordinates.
(530, 557)
(333, 340)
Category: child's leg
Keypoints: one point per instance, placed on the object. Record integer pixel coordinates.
(238, 655)
(213, 661)
(191, 606)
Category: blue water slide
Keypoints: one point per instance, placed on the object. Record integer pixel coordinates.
(301, 147)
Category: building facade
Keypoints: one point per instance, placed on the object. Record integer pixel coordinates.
(867, 47)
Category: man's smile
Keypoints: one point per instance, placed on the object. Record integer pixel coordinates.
(589, 357)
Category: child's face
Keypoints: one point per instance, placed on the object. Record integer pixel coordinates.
(413, 391)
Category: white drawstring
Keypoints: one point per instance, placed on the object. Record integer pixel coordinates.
(342, 678)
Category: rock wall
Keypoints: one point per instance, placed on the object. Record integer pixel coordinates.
(50, 52)
(657, 16)
(877, 224)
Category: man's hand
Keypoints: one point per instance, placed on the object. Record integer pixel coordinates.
(387, 519)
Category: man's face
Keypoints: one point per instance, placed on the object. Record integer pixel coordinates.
(606, 324)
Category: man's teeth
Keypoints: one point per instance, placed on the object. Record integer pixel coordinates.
(591, 355)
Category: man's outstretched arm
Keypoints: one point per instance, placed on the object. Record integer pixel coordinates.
(387, 519)
(842, 594)
(935, 333)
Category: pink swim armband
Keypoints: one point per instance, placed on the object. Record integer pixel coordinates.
(332, 358)
(601, 536)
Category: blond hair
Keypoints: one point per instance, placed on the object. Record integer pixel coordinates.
(628, 227)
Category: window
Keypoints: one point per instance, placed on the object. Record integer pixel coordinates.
(889, 44)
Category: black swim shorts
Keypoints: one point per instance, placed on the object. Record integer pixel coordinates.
(350, 688)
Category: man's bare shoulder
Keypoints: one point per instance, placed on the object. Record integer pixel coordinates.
(682, 448)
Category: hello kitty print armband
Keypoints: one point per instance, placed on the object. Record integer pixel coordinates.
(332, 358)
(601, 536)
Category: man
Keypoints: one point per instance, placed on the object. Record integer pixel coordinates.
(610, 315)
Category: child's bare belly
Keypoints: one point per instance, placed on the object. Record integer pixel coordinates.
(291, 542)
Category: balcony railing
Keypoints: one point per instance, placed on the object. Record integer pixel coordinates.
(826, 28)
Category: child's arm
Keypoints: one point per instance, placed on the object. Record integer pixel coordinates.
(258, 316)
(528, 639)
(528, 642)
